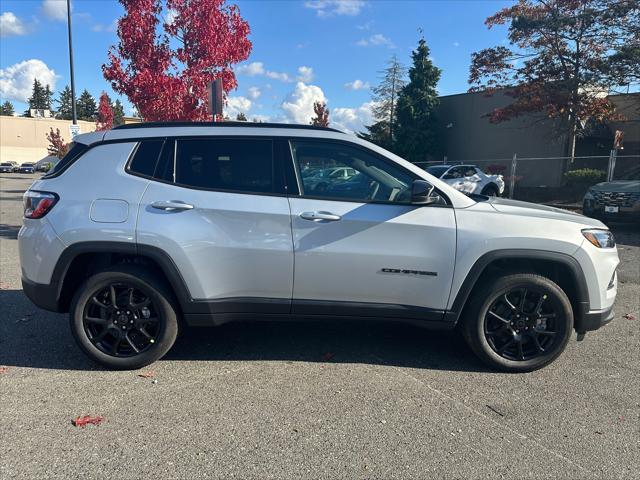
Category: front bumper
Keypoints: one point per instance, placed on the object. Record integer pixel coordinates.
(595, 319)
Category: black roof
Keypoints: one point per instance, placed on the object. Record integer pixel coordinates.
(130, 126)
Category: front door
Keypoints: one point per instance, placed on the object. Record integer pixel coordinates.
(359, 245)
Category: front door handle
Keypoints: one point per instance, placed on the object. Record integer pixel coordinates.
(171, 205)
(320, 216)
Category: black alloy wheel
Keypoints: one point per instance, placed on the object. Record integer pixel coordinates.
(121, 320)
(521, 324)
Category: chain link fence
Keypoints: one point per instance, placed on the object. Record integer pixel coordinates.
(554, 180)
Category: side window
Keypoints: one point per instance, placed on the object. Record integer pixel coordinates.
(454, 172)
(239, 164)
(363, 176)
(469, 171)
(145, 157)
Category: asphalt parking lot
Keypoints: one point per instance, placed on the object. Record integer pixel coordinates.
(312, 400)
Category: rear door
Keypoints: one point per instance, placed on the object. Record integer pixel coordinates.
(360, 247)
(217, 208)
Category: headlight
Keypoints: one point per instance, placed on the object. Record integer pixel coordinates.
(599, 237)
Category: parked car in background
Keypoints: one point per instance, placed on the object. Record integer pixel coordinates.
(6, 167)
(469, 179)
(615, 200)
(321, 178)
(27, 167)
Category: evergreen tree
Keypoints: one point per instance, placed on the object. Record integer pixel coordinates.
(241, 117)
(39, 99)
(86, 107)
(416, 128)
(6, 109)
(48, 97)
(385, 98)
(63, 112)
(118, 113)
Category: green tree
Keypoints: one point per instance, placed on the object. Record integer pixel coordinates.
(416, 127)
(40, 98)
(385, 99)
(48, 97)
(118, 113)
(63, 110)
(86, 107)
(6, 109)
(241, 117)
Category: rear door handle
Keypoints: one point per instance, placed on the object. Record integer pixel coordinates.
(320, 216)
(171, 205)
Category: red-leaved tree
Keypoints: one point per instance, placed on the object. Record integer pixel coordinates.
(163, 65)
(56, 146)
(322, 115)
(105, 113)
(563, 57)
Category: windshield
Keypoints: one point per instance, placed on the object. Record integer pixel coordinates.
(437, 171)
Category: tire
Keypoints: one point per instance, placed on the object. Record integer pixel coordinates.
(520, 339)
(144, 310)
(491, 191)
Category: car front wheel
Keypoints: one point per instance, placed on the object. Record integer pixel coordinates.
(123, 318)
(518, 323)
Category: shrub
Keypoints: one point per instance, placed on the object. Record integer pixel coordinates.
(585, 176)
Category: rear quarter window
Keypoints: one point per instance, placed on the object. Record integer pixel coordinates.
(145, 157)
(75, 152)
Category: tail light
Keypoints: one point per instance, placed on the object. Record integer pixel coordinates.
(37, 204)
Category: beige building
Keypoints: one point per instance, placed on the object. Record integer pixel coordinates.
(24, 139)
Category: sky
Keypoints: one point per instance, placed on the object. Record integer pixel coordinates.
(327, 50)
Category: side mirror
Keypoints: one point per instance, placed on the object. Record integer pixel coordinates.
(421, 191)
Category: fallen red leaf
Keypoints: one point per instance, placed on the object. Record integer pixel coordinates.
(148, 374)
(4, 370)
(86, 420)
(630, 316)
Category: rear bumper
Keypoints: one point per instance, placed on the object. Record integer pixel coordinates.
(42, 295)
(595, 319)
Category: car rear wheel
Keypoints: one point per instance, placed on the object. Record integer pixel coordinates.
(123, 318)
(518, 323)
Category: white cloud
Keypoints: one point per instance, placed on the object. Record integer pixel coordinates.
(254, 69)
(305, 74)
(55, 9)
(283, 77)
(236, 105)
(375, 40)
(253, 92)
(351, 119)
(16, 81)
(110, 28)
(328, 8)
(171, 16)
(298, 106)
(11, 25)
(456, 44)
(357, 85)
(251, 69)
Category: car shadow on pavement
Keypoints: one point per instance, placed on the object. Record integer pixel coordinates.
(34, 338)
(626, 234)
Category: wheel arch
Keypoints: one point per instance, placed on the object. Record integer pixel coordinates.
(563, 269)
(81, 259)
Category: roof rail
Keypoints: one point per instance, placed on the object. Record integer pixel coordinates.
(130, 126)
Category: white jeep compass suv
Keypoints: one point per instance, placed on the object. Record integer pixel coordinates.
(146, 226)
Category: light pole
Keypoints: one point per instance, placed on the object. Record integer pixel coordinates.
(74, 116)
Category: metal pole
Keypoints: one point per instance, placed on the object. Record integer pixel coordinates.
(74, 116)
(612, 164)
(512, 178)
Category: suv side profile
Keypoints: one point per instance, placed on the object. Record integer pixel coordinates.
(144, 227)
